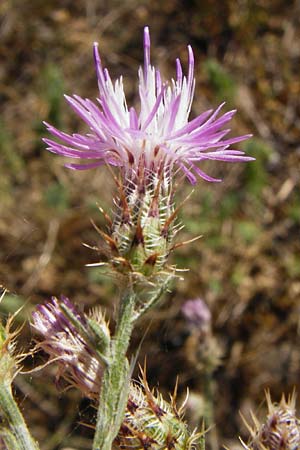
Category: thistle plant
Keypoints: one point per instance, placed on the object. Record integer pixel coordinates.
(147, 150)
(149, 147)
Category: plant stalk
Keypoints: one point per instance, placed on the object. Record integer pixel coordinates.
(15, 420)
(116, 378)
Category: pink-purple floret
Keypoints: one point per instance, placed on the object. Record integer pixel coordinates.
(196, 312)
(159, 135)
(78, 362)
(49, 319)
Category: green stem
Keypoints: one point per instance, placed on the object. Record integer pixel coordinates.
(209, 413)
(15, 420)
(8, 439)
(115, 383)
(154, 299)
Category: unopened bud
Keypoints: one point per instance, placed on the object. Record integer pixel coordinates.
(152, 423)
(281, 429)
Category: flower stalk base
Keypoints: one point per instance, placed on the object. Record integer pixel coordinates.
(116, 378)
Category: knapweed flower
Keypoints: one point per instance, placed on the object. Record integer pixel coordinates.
(197, 313)
(149, 145)
(78, 362)
(203, 350)
(156, 137)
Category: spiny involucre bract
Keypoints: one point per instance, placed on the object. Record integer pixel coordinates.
(280, 430)
(154, 424)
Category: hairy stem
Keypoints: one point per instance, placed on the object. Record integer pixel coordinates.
(209, 413)
(15, 420)
(115, 383)
(8, 439)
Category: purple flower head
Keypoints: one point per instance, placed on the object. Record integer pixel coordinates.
(157, 136)
(196, 312)
(78, 363)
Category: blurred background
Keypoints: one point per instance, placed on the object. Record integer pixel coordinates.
(246, 267)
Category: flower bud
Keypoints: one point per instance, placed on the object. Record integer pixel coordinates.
(79, 363)
(281, 429)
(152, 423)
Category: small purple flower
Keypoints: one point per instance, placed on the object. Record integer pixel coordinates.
(78, 363)
(197, 312)
(158, 136)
